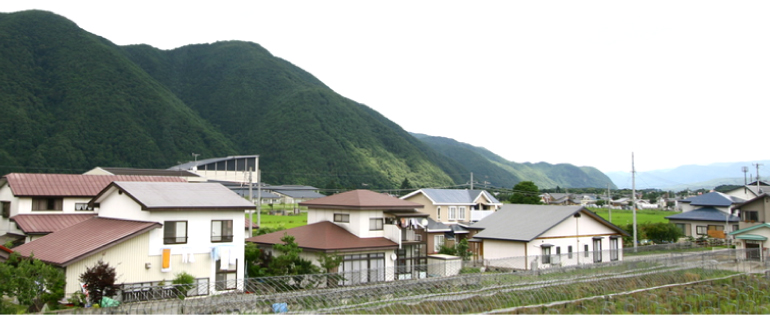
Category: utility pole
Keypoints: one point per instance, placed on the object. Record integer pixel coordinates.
(609, 202)
(471, 180)
(251, 199)
(259, 198)
(745, 169)
(757, 165)
(633, 196)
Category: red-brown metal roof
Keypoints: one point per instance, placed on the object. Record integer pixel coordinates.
(48, 223)
(362, 200)
(78, 241)
(71, 185)
(325, 236)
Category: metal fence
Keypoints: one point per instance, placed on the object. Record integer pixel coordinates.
(537, 290)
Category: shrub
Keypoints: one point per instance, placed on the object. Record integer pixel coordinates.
(183, 282)
(99, 281)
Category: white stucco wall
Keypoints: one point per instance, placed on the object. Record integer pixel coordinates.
(116, 205)
(359, 220)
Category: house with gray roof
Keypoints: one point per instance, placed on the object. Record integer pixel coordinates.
(454, 208)
(707, 215)
(527, 237)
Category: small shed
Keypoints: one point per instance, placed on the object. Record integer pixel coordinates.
(442, 265)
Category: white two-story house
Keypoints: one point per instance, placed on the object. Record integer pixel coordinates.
(151, 231)
(381, 238)
(34, 205)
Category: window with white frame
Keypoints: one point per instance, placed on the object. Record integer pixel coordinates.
(452, 213)
(461, 216)
(613, 248)
(438, 214)
(83, 206)
(438, 241)
(597, 250)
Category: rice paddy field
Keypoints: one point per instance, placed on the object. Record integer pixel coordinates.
(623, 217)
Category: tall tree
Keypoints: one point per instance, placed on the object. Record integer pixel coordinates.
(526, 192)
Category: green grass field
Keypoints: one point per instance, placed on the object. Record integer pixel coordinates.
(624, 217)
(284, 221)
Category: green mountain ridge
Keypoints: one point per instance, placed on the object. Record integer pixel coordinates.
(71, 100)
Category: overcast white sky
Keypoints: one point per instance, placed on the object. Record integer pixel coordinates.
(579, 82)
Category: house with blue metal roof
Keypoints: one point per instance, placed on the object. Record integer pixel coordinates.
(707, 215)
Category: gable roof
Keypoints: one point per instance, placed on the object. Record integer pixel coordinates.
(713, 199)
(454, 196)
(48, 223)
(76, 242)
(325, 236)
(69, 185)
(361, 199)
(519, 222)
(178, 196)
(704, 214)
(762, 196)
(751, 228)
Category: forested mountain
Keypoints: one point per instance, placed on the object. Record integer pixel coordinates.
(71, 100)
(489, 167)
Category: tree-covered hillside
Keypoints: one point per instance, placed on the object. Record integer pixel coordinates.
(71, 101)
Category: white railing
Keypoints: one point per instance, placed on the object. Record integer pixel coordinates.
(477, 215)
(393, 233)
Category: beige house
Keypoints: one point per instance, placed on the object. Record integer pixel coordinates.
(754, 230)
(451, 212)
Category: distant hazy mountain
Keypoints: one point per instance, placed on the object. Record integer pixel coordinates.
(692, 176)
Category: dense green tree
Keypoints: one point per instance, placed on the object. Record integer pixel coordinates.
(525, 192)
(287, 260)
(406, 185)
(659, 232)
(33, 282)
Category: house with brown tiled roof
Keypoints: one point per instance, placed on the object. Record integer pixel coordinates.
(151, 231)
(381, 238)
(31, 203)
